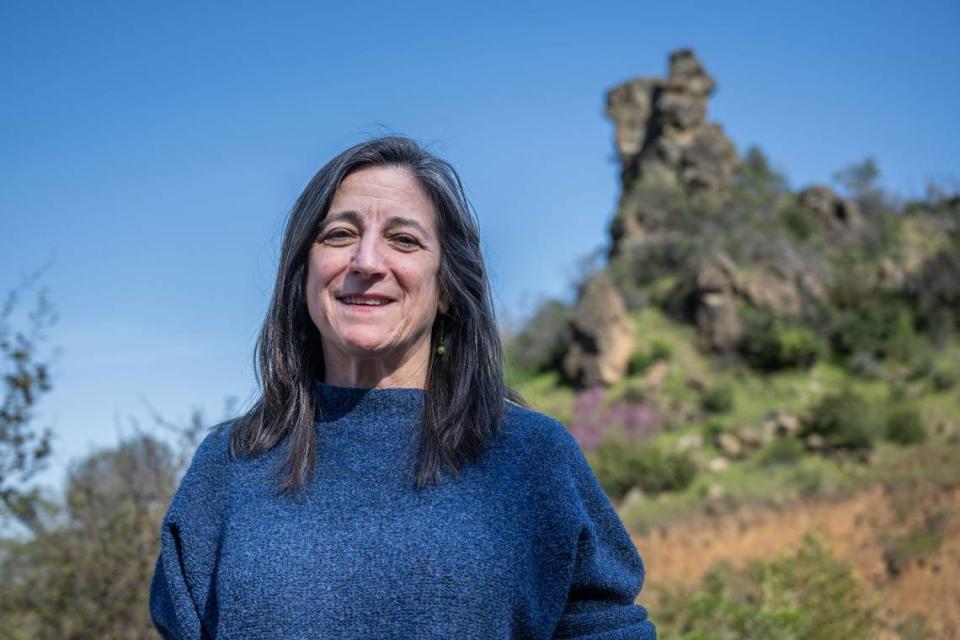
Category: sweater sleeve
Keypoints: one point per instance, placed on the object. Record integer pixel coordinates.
(182, 604)
(607, 572)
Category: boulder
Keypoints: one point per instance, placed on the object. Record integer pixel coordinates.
(749, 438)
(602, 335)
(634, 497)
(719, 464)
(715, 492)
(782, 424)
(654, 376)
(690, 441)
(718, 321)
(768, 290)
(815, 442)
(730, 445)
(831, 210)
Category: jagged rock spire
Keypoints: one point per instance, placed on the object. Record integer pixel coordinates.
(663, 136)
(662, 128)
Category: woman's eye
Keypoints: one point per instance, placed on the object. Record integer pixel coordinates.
(337, 235)
(406, 241)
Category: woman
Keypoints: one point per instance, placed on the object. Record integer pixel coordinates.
(387, 484)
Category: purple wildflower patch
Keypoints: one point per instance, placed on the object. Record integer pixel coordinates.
(593, 419)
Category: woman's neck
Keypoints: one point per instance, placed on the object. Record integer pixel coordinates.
(344, 370)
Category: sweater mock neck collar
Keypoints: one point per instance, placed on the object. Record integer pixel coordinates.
(334, 403)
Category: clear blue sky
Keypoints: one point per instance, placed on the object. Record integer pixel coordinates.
(150, 152)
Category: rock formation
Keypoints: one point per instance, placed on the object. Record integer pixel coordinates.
(663, 137)
(832, 211)
(718, 320)
(602, 335)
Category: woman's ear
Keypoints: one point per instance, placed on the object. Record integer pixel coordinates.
(444, 303)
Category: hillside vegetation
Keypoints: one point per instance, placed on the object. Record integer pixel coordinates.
(746, 343)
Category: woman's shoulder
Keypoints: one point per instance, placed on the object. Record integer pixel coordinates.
(214, 449)
(543, 437)
(210, 463)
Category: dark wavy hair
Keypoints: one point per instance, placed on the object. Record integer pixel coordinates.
(465, 393)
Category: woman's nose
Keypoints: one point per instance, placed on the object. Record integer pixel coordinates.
(367, 259)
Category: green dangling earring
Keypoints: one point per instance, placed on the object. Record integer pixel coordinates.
(440, 348)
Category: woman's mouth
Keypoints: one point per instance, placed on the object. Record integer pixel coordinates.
(365, 301)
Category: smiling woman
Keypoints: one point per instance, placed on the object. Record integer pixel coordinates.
(387, 483)
(372, 280)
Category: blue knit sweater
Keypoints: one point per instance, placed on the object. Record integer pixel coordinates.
(524, 544)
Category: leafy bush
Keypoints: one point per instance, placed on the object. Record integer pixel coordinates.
(717, 399)
(808, 481)
(944, 379)
(905, 426)
(921, 361)
(756, 182)
(845, 421)
(935, 292)
(799, 222)
(712, 430)
(881, 326)
(654, 262)
(918, 543)
(866, 366)
(806, 594)
(641, 359)
(620, 466)
(769, 343)
(782, 451)
(660, 350)
(87, 574)
(542, 343)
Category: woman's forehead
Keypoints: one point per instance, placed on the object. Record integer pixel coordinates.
(382, 194)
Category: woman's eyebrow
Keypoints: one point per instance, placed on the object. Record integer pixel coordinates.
(399, 221)
(354, 218)
(349, 216)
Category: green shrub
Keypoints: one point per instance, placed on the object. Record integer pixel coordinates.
(660, 350)
(881, 326)
(915, 544)
(914, 628)
(782, 451)
(620, 467)
(712, 430)
(756, 182)
(799, 222)
(905, 426)
(934, 292)
(920, 362)
(865, 365)
(542, 343)
(641, 359)
(845, 421)
(770, 343)
(944, 379)
(808, 481)
(805, 594)
(718, 399)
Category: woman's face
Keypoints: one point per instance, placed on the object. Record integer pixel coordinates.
(372, 288)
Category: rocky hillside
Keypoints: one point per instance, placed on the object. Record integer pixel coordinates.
(762, 357)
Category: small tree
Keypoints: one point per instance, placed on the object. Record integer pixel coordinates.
(803, 594)
(26, 378)
(757, 182)
(858, 179)
(88, 576)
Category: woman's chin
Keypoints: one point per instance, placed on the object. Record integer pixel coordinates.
(366, 347)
